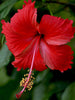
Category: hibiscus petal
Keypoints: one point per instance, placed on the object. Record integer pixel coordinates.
(24, 21)
(21, 30)
(15, 42)
(56, 30)
(25, 58)
(56, 57)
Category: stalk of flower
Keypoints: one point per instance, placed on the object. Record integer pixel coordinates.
(35, 45)
(27, 82)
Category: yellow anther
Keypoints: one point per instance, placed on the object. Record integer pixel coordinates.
(33, 78)
(30, 88)
(20, 84)
(22, 78)
(32, 73)
(30, 79)
(25, 75)
(28, 70)
(27, 87)
(25, 81)
(31, 83)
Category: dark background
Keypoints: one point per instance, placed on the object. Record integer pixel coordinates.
(48, 85)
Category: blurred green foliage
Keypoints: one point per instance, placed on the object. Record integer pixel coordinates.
(48, 85)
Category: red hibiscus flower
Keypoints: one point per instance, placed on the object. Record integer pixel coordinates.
(36, 45)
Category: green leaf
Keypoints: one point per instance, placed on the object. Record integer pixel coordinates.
(7, 90)
(54, 88)
(5, 7)
(3, 77)
(67, 1)
(42, 75)
(54, 7)
(2, 41)
(69, 93)
(39, 92)
(66, 13)
(42, 83)
(4, 13)
(6, 4)
(4, 56)
(72, 44)
(43, 0)
(44, 91)
(50, 10)
(19, 4)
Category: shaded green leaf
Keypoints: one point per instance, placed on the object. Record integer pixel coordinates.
(42, 75)
(66, 13)
(43, 0)
(39, 92)
(6, 4)
(4, 56)
(54, 88)
(5, 7)
(50, 10)
(69, 93)
(3, 77)
(2, 41)
(19, 4)
(45, 91)
(7, 90)
(54, 7)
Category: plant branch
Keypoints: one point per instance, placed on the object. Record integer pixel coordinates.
(62, 3)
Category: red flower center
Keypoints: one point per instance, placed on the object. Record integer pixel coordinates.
(41, 35)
